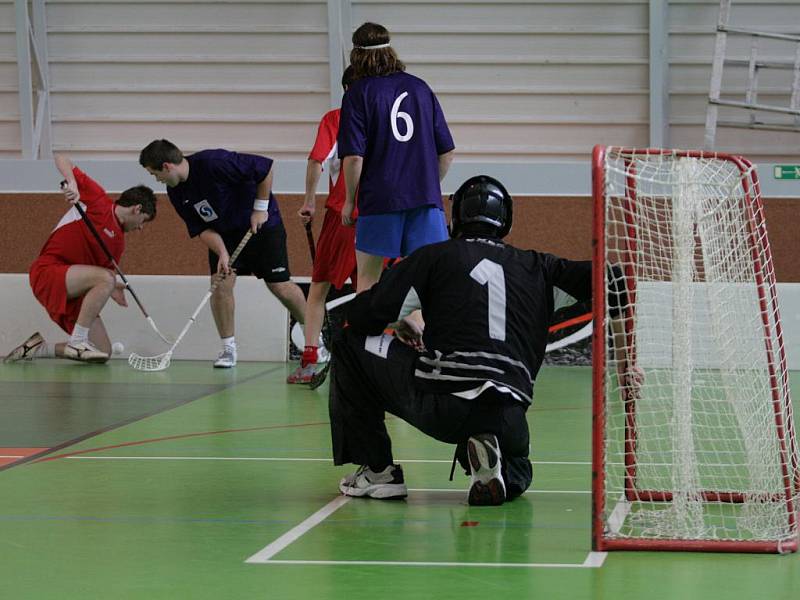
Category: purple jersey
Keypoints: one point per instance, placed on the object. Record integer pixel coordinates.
(220, 191)
(396, 124)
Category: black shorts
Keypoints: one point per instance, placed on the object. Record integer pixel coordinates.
(264, 256)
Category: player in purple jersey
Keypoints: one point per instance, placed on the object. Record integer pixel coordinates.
(395, 148)
(220, 195)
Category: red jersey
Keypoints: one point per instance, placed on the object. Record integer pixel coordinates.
(324, 151)
(72, 243)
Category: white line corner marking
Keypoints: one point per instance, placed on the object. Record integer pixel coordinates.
(593, 560)
(293, 534)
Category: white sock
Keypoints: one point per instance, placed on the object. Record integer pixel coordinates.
(79, 335)
(229, 341)
(45, 350)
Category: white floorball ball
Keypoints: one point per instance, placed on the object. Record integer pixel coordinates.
(118, 348)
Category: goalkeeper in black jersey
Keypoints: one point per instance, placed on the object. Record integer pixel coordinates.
(467, 379)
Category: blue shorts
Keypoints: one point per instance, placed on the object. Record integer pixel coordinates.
(397, 234)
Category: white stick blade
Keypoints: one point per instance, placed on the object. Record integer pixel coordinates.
(150, 363)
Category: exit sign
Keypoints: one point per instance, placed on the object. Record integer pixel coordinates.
(786, 171)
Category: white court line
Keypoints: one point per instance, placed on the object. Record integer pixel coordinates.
(281, 458)
(263, 556)
(618, 515)
(400, 563)
(527, 492)
(12, 456)
(593, 560)
(293, 534)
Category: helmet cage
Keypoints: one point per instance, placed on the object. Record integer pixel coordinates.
(482, 199)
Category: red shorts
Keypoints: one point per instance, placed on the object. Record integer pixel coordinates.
(49, 284)
(336, 252)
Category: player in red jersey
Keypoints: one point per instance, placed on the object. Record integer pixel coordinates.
(336, 250)
(72, 277)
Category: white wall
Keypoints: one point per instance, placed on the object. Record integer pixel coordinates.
(262, 323)
(261, 332)
(656, 317)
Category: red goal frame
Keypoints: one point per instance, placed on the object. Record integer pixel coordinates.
(765, 281)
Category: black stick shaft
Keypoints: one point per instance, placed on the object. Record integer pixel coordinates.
(110, 257)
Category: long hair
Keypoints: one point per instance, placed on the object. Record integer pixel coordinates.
(348, 77)
(375, 62)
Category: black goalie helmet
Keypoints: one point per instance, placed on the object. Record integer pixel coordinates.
(481, 199)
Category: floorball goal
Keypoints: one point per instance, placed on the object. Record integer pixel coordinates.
(693, 438)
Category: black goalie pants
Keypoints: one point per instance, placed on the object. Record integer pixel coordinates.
(375, 375)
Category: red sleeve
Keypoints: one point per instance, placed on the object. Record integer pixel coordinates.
(90, 191)
(326, 137)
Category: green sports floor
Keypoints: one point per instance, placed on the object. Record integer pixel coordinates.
(200, 483)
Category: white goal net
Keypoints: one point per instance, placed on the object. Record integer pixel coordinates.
(694, 439)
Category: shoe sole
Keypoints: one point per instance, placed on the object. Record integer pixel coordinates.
(489, 489)
(224, 366)
(385, 491)
(22, 351)
(90, 361)
(492, 493)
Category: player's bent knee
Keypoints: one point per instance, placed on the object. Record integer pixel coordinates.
(104, 279)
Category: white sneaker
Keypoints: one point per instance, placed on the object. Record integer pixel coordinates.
(226, 358)
(26, 350)
(323, 355)
(84, 352)
(387, 484)
(304, 374)
(487, 487)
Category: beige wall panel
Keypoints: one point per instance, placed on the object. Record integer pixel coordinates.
(10, 138)
(130, 153)
(161, 44)
(167, 106)
(518, 143)
(9, 104)
(251, 135)
(6, 13)
(567, 135)
(554, 45)
(501, 15)
(8, 40)
(700, 47)
(544, 106)
(231, 74)
(502, 76)
(272, 139)
(734, 80)
(9, 74)
(759, 14)
(691, 108)
(200, 14)
(758, 146)
(691, 47)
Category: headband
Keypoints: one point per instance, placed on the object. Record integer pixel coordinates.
(375, 47)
